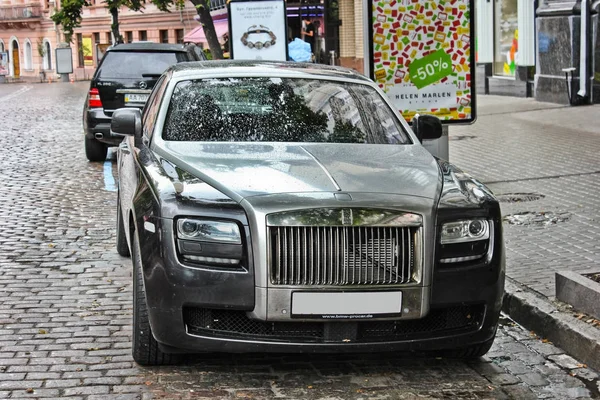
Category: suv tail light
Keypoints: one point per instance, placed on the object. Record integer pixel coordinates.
(94, 99)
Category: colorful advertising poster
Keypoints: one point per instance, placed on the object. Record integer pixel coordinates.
(420, 55)
(86, 48)
(258, 30)
(4, 68)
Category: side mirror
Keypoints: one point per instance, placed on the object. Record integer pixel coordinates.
(126, 121)
(426, 127)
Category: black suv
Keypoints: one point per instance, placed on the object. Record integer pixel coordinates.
(124, 78)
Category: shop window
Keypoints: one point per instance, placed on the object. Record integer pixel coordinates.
(164, 36)
(179, 35)
(506, 34)
(28, 56)
(80, 61)
(143, 36)
(128, 37)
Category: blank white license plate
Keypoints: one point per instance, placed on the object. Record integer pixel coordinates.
(136, 98)
(346, 305)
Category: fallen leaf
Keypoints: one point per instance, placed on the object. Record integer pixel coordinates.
(589, 321)
(29, 390)
(346, 340)
(93, 349)
(51, 245)
(148, 383)
(42, 331)
(310, 387)
(580, 365)
(359, 391)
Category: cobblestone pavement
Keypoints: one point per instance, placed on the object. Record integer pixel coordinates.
(526, 150)
(65, 296)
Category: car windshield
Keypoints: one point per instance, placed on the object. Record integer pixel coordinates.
(280, 110)
(121, 64)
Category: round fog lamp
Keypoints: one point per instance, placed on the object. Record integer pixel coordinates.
(476, 228)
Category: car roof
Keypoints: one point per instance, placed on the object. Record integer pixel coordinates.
(148, 46)
(245, 67)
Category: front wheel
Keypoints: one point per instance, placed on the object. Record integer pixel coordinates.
(145, 348)
(95, 150)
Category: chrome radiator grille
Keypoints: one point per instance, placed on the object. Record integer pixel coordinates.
(339, 255)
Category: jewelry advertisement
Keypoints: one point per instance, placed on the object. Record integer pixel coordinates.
(257, 30)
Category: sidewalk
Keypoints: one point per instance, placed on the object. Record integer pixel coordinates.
(542, 160)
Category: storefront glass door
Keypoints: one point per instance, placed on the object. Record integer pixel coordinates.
(505, 37)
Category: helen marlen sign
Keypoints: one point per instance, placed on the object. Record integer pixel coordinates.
(420, 55)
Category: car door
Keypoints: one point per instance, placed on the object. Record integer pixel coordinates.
(128, 154)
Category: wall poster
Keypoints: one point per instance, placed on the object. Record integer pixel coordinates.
(86, 49)
(421, 54)
(257, 30)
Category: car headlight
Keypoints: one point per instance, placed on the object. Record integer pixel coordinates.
(470, 230)
(209, 231)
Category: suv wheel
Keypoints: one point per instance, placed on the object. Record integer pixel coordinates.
(94, 150)
(145, 348)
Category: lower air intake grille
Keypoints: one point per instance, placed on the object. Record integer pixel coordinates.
(235, 324)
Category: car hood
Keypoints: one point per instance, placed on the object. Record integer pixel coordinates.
(242, 170)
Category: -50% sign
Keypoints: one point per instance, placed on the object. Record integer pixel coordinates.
(430, 69)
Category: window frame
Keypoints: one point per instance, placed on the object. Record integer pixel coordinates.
(152, 107)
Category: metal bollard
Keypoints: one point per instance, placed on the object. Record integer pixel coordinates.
(332, 57)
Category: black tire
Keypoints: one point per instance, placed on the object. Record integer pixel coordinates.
(95, 150)
(122, 246)
(470, 352)
(145, 348)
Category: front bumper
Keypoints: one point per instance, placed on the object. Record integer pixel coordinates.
(213, 310)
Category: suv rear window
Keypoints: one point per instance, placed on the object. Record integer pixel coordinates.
(121, 64)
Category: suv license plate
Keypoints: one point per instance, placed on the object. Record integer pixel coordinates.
(135, 98)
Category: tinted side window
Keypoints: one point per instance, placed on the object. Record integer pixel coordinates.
(151, 108)
(120, 64)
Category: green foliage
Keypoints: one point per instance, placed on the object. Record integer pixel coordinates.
(69, 16)
(41, 49)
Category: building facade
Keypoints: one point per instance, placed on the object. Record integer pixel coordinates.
(30, 38)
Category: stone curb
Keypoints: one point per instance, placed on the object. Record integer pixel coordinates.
(540, 315)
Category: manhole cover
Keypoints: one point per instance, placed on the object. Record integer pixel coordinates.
(518, 197)
(462, 137)
(537, 218)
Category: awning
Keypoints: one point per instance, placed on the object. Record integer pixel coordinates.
(197, 35)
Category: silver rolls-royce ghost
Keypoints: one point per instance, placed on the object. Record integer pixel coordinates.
(289, 207)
